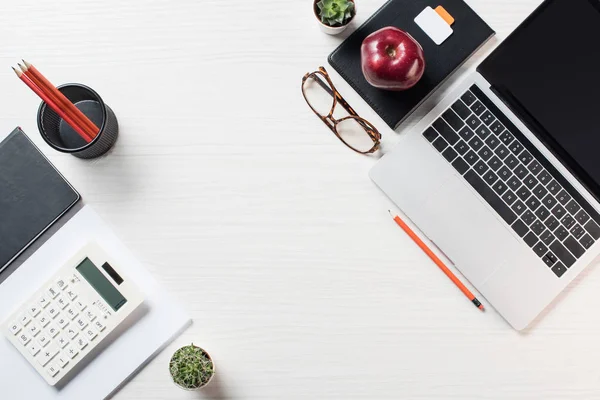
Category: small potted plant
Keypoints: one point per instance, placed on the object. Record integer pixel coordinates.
(191, 367)
(334, 15)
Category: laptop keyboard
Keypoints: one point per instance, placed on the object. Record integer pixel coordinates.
(539, 205)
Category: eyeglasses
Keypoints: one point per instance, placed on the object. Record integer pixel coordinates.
(322, 97)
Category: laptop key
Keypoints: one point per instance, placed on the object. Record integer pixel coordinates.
(504, 174)
(561, 233)
(447, 133)
(520, 171)
(528, 217)
(506, 137)
(490, 177)
(574, 246)
(492, 142)
(542, 213)
(480, 167)
(466, 133)
(537, 227)
(478, 108)
(485, 153)
(483, 132)
(461, 109)
(515, 147)
(497, 128)
(430, 134)
(471, 157)
(577, 231)
(573, 207)
(544, 177)
(547, 237)
(531, 239)
(552, 223)
(513, 182)
(525, 157)
(453, 119)
(568, 221)
(490, 197)
(501, 151)
(500, 187)
(533, 203)
(495, 163)
(440, 144)
(511, 161)
(530, 181)
(562, 253)
(535, 167)
(461, 147)
(550, 259)
(540, 249)
(549, 201)
(476, 143)
(563, 197)
(509, 197)
(523, 193)
(559, 269)
(487, 118)
(520, 228)
(450, 154)
(593, 229)
(554, 187)
(540, 191)
(468, 98)
(473, 122)
(518, 207)
(586, 241)
(558, 211)
(582, 217)
(460, 165)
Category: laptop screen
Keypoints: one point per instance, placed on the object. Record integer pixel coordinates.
(548, 73)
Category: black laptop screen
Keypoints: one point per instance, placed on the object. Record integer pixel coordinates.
(548, 72)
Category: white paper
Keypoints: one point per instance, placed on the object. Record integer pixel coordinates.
(434, 25)
(164, 320)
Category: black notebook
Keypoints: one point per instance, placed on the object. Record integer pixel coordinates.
(33, 195)
(470, 33)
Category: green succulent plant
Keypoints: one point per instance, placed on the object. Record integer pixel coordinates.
(191, 367)
(335, 12)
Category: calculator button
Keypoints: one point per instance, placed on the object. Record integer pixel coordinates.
(71, 312)
(80, 305)
(43, 319)
(52, 291)
(61, 284)
(33, 348)
(81, 323)
(52, 330)
(52, 370)
(24, 338)
(62, 301)
(47, 354)
(99, 326)
(62, 360)
(24, 319)
(43, 301)
(34, 310)
(62, 341)
(71, 351)
(34, 329)
(71, 294)
(62, 321)
(90, 315)
(81, 342)
(14, 327)
(53, 311)
(43, 339)
(91, 333)
(71, 332)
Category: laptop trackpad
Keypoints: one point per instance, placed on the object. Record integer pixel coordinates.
(463, 227)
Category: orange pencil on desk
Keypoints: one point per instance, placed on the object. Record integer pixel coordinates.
(438, 262)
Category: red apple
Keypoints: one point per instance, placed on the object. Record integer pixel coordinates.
(392, 59)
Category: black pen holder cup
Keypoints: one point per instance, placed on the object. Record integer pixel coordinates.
(61, 137)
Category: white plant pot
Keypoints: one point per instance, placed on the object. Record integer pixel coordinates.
(331, 30)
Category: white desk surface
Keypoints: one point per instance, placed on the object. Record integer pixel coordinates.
(241, 201)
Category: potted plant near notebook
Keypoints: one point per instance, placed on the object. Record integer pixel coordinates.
(191, 367)
(334, 15)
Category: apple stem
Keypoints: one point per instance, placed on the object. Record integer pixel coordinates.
(390, 51)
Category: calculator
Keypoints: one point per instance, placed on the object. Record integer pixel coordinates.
(75, 311)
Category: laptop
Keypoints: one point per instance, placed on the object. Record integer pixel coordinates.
(504, 174)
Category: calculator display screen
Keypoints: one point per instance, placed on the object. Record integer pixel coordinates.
(98, 281)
